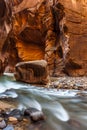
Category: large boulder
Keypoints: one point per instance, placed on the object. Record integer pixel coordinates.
(32, 72)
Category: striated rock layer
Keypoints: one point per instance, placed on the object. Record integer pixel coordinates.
(42, 30)
(38, 33)
(32, 72)
(76, 20)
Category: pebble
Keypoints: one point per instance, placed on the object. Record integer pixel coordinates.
(34, 114)
(76, 83)
(12, 119)
(2, 124)
(37, 116)
(28, 115)
(16, 113)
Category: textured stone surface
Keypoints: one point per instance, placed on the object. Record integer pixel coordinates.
(32, 72)
(76, 20)
(5, 28)
(5, 23)
(40, 33)
(74, 83)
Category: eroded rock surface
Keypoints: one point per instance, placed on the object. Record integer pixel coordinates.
(76, 20)
(39, 32)
(32, 72)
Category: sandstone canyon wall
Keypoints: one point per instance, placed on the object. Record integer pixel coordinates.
(33, 35)
(76, 20)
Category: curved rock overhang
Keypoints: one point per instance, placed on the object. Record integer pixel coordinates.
(40, 32)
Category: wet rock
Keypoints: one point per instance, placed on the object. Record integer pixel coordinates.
(2, 124)
(30, 110)
(15, 115)
(74, 123)
(15, 112)
(34, 114)
(32, 72)
(13, 120)
(37, 116)
(3, 114)
(9, 127)
(26, 120)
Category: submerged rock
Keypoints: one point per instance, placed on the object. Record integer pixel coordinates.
(34, 114)
(37, 116)
(15, 115)
(21, 119)
(32, 72)
(3, 114)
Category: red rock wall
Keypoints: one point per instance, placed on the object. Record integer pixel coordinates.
(76, 20)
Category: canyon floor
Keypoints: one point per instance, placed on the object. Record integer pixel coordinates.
(77, 83)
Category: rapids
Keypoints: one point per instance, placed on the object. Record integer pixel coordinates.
(64, 109)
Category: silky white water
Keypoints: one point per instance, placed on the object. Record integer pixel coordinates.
(64, 109)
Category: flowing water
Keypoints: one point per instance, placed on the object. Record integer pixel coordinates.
(64, 109)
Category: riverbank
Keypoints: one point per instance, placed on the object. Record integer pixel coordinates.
(7, 104)
(12, 118)
(76, 83)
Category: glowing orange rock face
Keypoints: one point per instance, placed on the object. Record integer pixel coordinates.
(38, 33)
(29, 52)
(29, 32)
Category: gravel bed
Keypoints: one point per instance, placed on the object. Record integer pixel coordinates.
(77, 83)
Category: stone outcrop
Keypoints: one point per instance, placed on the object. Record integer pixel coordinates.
(76, 20)
(39, 32)
(5, 21)
(32, 72)
(5, 28)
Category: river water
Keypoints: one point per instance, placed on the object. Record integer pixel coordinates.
(64, 109)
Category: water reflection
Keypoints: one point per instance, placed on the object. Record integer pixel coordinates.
(64, 109)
